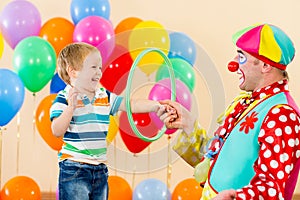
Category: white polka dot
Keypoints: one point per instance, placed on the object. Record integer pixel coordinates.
(297, 129)
(274, 164)
(288, 130)
(262, 95)
(261, 188)
(276, 148)
(270, 183)
(293, 116)
(271, 124)
(291, 142)
(278, 132)
(252, 194)
(261, 133)
(260, 197)
(262, 177)
(297, 142)
(264, 168)
(275, 110)
(298, 154)
(272, 192)
(270, 139)
(280, 175)
(267, 154)
(275, 90)
(223, 131)
(242, 196)
(283, 118)
(287, 169)
(263, 147)
(283, 144)
(283, 157)
(268, 87)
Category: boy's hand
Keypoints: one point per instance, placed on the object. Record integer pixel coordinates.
(72, 99)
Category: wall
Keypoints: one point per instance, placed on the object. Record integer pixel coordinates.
(209, 23)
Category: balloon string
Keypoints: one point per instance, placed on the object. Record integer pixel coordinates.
(33, 120)
(18, 140)
(1, 132)
(169, 167)
(115, 156)
(149, 151)
(133, 173)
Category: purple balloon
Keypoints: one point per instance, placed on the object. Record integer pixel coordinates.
(162, 90)
(19, 19)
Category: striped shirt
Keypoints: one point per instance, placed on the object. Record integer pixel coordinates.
(85, 139)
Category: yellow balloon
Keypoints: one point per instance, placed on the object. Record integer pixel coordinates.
(1, 45)
(149, 34)
(201, 170)
(113, 128)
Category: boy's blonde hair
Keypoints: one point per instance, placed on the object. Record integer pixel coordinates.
(73, 56)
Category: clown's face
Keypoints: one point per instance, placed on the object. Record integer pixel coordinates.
(250, 74)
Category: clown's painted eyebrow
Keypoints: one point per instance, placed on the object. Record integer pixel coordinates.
(239, 51)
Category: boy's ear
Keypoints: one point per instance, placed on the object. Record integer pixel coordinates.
(71, 72)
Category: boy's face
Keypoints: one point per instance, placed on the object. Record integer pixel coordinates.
(88, 77)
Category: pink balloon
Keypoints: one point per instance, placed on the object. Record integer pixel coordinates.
(97, 31)
(162, 90)
(19, 19)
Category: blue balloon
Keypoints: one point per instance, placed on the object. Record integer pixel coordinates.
(151, 189)
(12, 92)
(56, 84)
(182, 46)
(85, 8)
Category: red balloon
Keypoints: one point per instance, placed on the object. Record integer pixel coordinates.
(116, 70)
(19, 188)
(144, 124)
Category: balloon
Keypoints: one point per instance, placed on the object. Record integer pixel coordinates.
(201, 170)
(144, 125)
(182, 46)
(123, 30)
(151, 189)
(113, 128)
(162, 90)
(34, 60)
(148, 34)
(1, 45)
(98, 32)
(58, 32)
(18, 20)
(116, 70)
(57, 193)
(182, 70)
(19, 188)
(119, 188)
(56, 84)
(12, 94)
(82, 8)
(43, 123)
(187, 189)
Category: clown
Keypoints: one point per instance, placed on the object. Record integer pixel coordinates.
(255, 153)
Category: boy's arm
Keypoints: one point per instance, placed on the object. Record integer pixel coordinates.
(60, 124)
(141, 106)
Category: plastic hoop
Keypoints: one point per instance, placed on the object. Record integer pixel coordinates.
(128, 89)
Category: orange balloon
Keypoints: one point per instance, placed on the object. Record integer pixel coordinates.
(20, 188)
(58, 32)
(188, 189)
(123, 30)
(119, 188)
(43, 123)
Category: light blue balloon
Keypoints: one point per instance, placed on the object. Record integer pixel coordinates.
(12, 94)
(85, 8)
(182, 46)
(151, 189)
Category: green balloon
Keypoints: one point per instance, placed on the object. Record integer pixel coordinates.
(182, 70)
(34, 60)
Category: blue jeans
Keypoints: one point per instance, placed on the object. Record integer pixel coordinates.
(80, 181)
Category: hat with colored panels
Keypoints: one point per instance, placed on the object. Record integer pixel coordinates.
(267, 43)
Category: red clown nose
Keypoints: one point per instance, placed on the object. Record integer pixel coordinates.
(233, 66)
